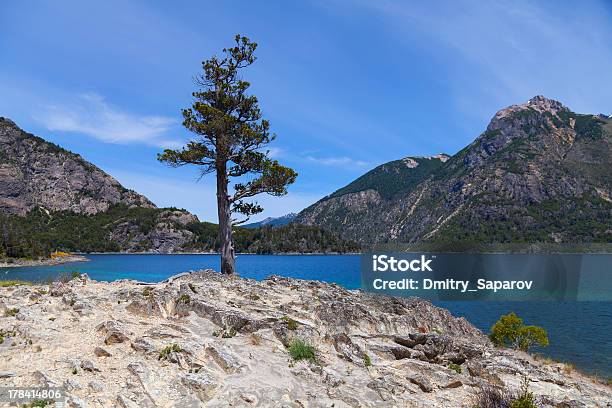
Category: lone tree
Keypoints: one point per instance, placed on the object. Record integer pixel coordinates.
(231, 135)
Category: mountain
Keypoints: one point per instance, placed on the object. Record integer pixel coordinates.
(538, 173)
(272, 221)
(52, 199)
(35, 173)
(61, 200)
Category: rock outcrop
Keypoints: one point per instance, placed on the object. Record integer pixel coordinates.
(203, 339)
(538, 165)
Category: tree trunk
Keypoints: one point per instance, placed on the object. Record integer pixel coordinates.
(225, 226)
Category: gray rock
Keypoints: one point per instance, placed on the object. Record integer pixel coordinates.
(88, 365)
(43, 379)
(71, 384)
(142, 345)
(202, 384)
(223, 359)
(423, 383)
(453, 384)
(76, 402)
(96, 386)
(59, 289)
(100, 352)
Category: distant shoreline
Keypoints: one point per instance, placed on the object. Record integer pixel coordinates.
(214, 253)
(19, 263)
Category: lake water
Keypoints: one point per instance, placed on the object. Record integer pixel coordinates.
(579, 332)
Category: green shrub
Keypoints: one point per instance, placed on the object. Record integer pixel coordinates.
(147, 292)
(509, 331)
(291, 324)
(301, 350)
(12, 312)
(226, 333)
(229, 333)
(165, 352)
(40, 403)
(5, 334)
(530, 335)
(455, 367)
(525, 398)
(184, 298)
(367, 360)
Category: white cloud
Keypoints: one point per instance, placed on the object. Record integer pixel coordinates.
(504, 52)
(91, 115)
(341, 161)
(275, 152)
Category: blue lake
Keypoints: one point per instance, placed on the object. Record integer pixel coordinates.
(579, 332)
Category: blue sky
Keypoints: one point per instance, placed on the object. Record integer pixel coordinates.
(347, 85)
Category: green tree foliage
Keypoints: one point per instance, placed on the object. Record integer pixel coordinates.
(531, 335)
(39, 233)
(509, 331)
(230, 138)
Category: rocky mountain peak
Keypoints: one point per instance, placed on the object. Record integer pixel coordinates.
(6, 121)
(35, 173)
(541, 103)
(536, 109)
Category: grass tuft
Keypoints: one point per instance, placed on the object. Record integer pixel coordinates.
(12, 312)
(166, 351)
(291, 323)
(184, 298)
(9, 283)
(301, 350)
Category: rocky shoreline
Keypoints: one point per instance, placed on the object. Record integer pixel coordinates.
(18, 263)
(202, 339)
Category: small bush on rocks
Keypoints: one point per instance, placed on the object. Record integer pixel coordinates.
(301, 350)
(147, 292)
(509, 331)
(291, 323)
(489, 396)
(40, 403)
(525, 399)
(184, 298)
(12, 312)
(455, 367)
(4, 334)
(367, 360)
(226, 333)
(172, 348)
